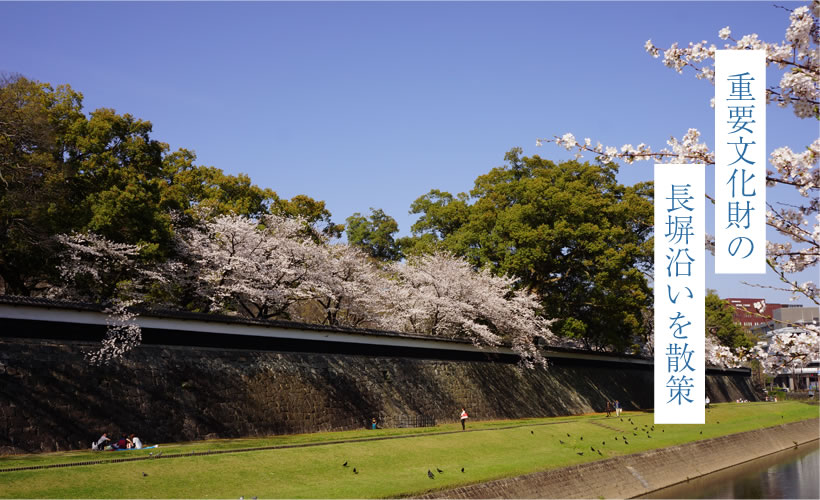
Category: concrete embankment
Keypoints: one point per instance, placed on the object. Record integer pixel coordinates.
(632, 475)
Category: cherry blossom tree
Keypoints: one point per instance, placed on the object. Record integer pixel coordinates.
(797, 89)
(799, 223)
(347, 285)
(265, 267)
(788, 348)
(441, 295)
(98, 270)
(254, 267)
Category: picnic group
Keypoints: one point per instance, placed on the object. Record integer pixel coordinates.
(125, 442)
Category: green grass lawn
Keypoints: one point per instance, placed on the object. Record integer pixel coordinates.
(386, 468)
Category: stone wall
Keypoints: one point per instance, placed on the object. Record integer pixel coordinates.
(51, 399)
(641, 473)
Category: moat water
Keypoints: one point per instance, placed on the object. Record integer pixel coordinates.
(793, 473)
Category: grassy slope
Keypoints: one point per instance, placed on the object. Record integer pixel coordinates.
(386, 468)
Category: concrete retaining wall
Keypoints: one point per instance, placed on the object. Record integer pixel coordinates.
(632, 475)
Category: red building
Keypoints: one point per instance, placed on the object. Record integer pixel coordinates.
(753, 317)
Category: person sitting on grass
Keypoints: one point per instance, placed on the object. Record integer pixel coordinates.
(135, 442)
(122, 444)
(100, 443)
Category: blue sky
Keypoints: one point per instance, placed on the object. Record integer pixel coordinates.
(373, 104)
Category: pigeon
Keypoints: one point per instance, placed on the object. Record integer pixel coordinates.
(649, 436)
(355, 471)
(344, 464)
(718, 421)
(560, 441)
(626, 442)
(580, 452)
(663, 430)
(567, 434)
(603, 443)
(701, 432)
(144, 475)
(599, 452)
(616, 438)
(439, 470)
(591, 448)
(532, 432)
(622, 420)
(430, 474)
(634, 434)
(582, 438)
(462, 469)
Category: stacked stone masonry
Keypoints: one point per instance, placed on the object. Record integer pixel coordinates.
(632, 475)
(52, 399)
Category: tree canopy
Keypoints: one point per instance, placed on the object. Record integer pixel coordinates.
(720, 323)
(62, 171)
(569, 232)
(374, 234)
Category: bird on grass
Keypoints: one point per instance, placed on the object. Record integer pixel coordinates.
(649, 436)
(532, 432)
(634, 434)
(567, 434)
(582, 438)
(591, 448)
(603, 443)
(439, 470)
(344, 464)
(626, 442)
(663, 430)
(430, 474)
(462, 469)
(580, 452)
(616, 438)
(599, 452)
(622, 420)
(701, 432)
(718, 421)
(355, 471)
(560, 441)
(144, 475)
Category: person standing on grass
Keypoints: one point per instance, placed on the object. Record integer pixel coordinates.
(464, 418)
(617, 408)
(608, 408)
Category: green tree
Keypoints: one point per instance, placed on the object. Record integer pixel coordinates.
(62, 171)
(374, 234)
(35, 194)
(570, 232)
(720, 323)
